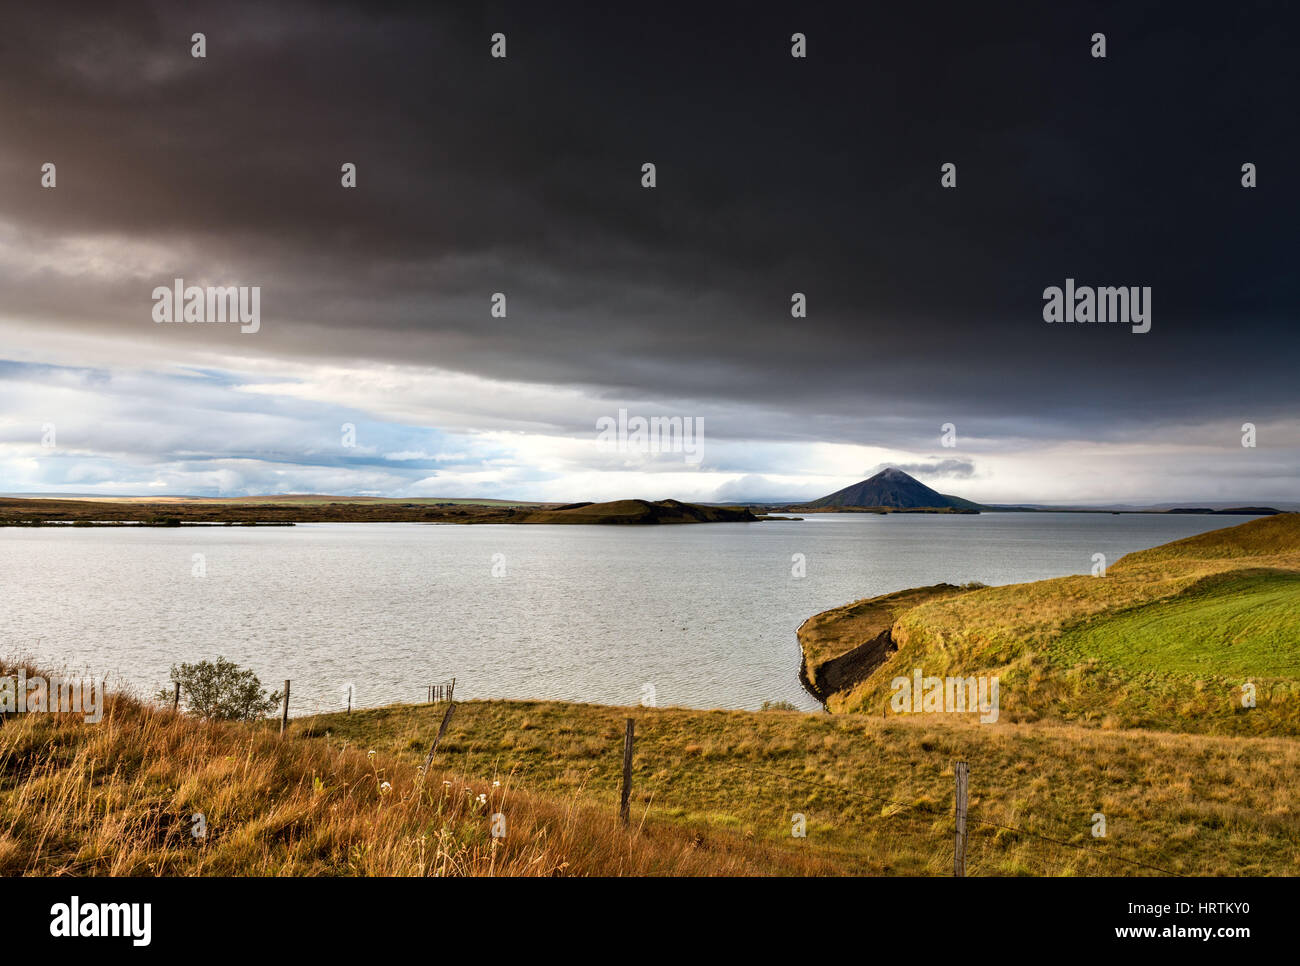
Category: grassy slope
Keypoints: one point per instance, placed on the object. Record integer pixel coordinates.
(1244, 625)
(1136, 648)
(714, 794)
(117, 798)
(877, 793)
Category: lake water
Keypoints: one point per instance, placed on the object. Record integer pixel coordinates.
(705, 615)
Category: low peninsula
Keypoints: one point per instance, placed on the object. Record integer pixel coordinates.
(287, 510)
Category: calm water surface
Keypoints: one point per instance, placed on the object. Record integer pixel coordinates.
(704, 614)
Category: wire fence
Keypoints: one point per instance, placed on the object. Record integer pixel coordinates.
(443, 692)
(1020, 830)
(932, 814)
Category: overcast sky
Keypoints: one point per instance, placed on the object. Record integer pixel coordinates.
(523, 175)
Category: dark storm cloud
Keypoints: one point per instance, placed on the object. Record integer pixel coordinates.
(776, 175)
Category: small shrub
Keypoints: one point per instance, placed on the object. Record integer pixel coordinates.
(222, 691)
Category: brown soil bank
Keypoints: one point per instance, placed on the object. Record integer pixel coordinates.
(842, 646)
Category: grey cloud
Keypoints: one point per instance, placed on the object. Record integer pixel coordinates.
(520, 176)
(954, 468)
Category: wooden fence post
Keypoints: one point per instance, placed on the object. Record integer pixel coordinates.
(624, 808)
(349, 699)
(176, 697)
(451, 692)
(284, 716)
(446, 719)
(961, 772)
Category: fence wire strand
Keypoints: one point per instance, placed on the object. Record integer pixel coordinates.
(978, 821)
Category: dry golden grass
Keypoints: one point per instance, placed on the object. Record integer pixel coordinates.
(118, 798)
(878, 793)
(715, 793)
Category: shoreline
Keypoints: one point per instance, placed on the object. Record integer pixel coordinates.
(1185, 636)
(37, 513)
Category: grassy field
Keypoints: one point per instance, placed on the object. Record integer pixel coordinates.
(877, 793)
(1166, 639)
(715, 793)
(1242, 625)
(120, 798)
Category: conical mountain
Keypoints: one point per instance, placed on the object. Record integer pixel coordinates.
(894, 489)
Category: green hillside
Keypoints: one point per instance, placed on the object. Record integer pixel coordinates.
(1239, 625)
(1166, 639)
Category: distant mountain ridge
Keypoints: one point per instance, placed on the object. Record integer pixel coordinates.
(894, 489)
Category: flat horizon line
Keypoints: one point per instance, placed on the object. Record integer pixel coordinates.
(1283, 505)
